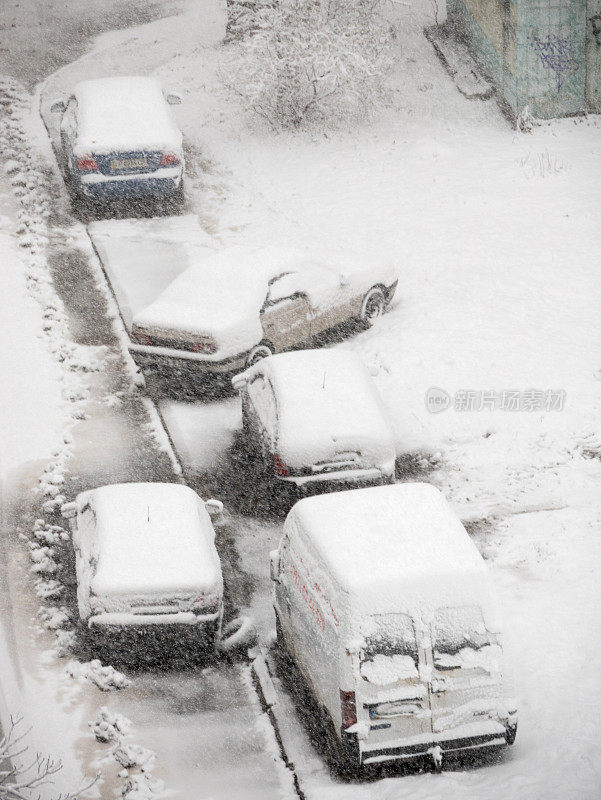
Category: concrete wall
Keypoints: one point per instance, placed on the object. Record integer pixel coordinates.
(533, 50)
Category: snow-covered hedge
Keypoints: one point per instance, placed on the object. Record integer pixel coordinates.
(311, 59)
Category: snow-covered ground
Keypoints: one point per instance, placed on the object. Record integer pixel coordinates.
(496, 235)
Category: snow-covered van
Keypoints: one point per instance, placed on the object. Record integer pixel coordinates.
(385, 605)
(119, 138)
(145, 555)
(315, 418)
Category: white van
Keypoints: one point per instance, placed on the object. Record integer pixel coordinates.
(145, 555)
(384, 604)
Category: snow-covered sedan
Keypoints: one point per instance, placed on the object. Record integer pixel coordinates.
(145, 555)
(119, 139)
(241, 305)
(315, 418)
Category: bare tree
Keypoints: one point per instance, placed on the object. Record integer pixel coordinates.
(22, 776)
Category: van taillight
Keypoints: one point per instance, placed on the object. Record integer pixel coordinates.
(280, 468)
(348, 708)
(87, 163)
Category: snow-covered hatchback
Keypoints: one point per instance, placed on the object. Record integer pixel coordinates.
(119, 139)
(315, 418)
(243, 304)
(145, 555)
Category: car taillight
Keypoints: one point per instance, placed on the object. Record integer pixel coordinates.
(204, 346)
(348, 708)
(169, 159)
(280, 468)
(202, 604)
(87, 163)
(141, 338)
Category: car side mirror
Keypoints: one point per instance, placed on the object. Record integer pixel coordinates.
(69, 510)
(173, 98)
(58, 106)
(274, 565)
(214, 509)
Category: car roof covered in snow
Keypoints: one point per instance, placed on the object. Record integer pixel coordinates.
(327, 403)
(124, 114)
(151, 537)
(394, 548)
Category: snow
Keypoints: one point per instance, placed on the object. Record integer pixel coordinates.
(382, 670)
(143, 256)
(395, 549)
(499, 290)
(327, 405)
(124, 114)
(152, 539)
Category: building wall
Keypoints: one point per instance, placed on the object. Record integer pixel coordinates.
(533, 50)
(551, 70)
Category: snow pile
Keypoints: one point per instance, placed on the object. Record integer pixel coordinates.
(109, 726)
(487, 658)
(106, 678)
(113, 728)
(396, 549)
(124, 114)
(328, 407)
(382, 669)
(154, 539)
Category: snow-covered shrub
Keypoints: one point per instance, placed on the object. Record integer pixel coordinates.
(312, 59)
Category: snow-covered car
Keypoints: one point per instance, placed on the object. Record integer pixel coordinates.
(243, 304)
(145, 555)
(315, 418)
(385, 606)
(119, 139)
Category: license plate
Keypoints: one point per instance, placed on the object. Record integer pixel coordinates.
(128, 163)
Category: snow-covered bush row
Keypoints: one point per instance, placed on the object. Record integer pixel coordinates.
(306, 60)
(112, 728)
(33, 190)
(105, 677)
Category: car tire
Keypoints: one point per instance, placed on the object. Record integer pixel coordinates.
(262, 350)
(373, 306)
(511, 733)
(343, 757)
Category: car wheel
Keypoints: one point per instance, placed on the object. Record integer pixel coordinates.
(262, 350)
(373, 306)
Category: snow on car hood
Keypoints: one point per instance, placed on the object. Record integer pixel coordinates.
(223, 303)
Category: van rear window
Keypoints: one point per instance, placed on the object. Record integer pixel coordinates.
(389, 635)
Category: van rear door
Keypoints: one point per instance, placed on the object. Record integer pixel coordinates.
(466, 686)
(392, 698)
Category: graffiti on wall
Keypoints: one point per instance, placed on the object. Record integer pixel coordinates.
(555, 54)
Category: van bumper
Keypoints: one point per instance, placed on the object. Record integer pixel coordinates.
(492, 735)
(129, 620)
